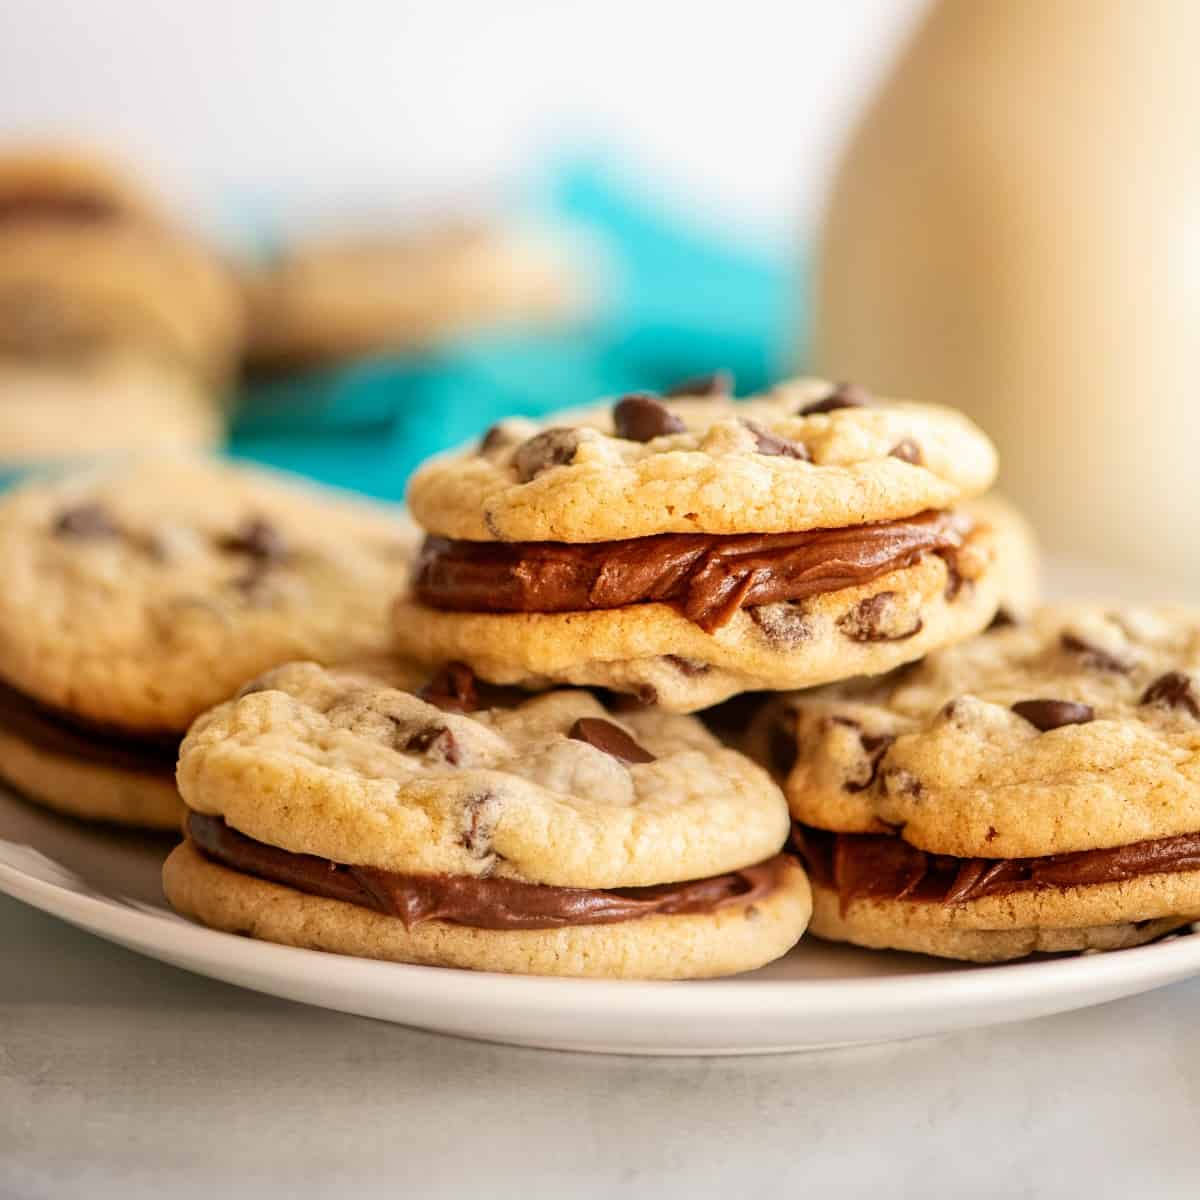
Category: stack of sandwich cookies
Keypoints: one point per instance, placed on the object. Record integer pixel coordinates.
(117, 331)
(137, 598)
(87, 257)
(483, 828)
(1034, 789)
(691, 548)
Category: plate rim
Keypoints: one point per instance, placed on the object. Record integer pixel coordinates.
(105, 916)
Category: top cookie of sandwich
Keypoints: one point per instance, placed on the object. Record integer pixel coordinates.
(1076, 731)
(807, 455)
(463, 779)
(135, 597)
(53, 183)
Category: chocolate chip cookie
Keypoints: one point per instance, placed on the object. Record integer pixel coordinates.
(138, 596)
(470, 826)
(338, 298)
(101, 403)
(1035, 788)
(688, 549)
(88, 262)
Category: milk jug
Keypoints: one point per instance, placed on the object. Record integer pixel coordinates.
(1015, 231)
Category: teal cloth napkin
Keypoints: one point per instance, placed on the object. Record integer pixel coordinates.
(682, 300)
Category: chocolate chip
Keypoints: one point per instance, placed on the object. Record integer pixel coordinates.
(265, 545)
(646, 696)
(480, 815)
(954, 577)
(610, 738)
(455, 688)
(782, 749)
(766, 442)
(452, 689)
(257, 538)
(690, 667)
(717, 383)
(868, 620)
(498, 435)
(844, 395)
(436, 741)
(1173, 690)
(551, 448)
(86, 521)
(875, 746)
(641, 417)
(784, 623)
(907, 451)
(1093, 656)
(1002, 620)
(1045, 715)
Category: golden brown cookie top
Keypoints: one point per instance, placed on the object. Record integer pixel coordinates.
(140, 594)
(553, 788)
(1076, 730)
(332, 298)
(807, 455)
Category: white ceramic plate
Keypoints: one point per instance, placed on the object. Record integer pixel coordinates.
(820, 995)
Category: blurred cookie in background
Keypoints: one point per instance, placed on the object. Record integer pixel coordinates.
(86, 258)
(102, 403)
(104, 305)
(331, 299)
(70, 185)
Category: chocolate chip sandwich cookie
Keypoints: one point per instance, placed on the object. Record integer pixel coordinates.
(465, 827)
(102, 403)
(1033, 789)
(138, 597)
(87, 261)
(338, 298)
(688, 549)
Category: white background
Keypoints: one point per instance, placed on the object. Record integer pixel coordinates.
(252, 107)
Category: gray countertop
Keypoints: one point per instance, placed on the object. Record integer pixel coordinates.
(121, 1077)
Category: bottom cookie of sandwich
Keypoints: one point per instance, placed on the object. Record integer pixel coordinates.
(736, 933)
(882, 925)
(92, 774)
(877, 891)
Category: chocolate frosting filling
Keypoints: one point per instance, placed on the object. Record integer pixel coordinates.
(708, 575)
(74, 207)
(885, 867)
(62, 733)
(480, 903)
